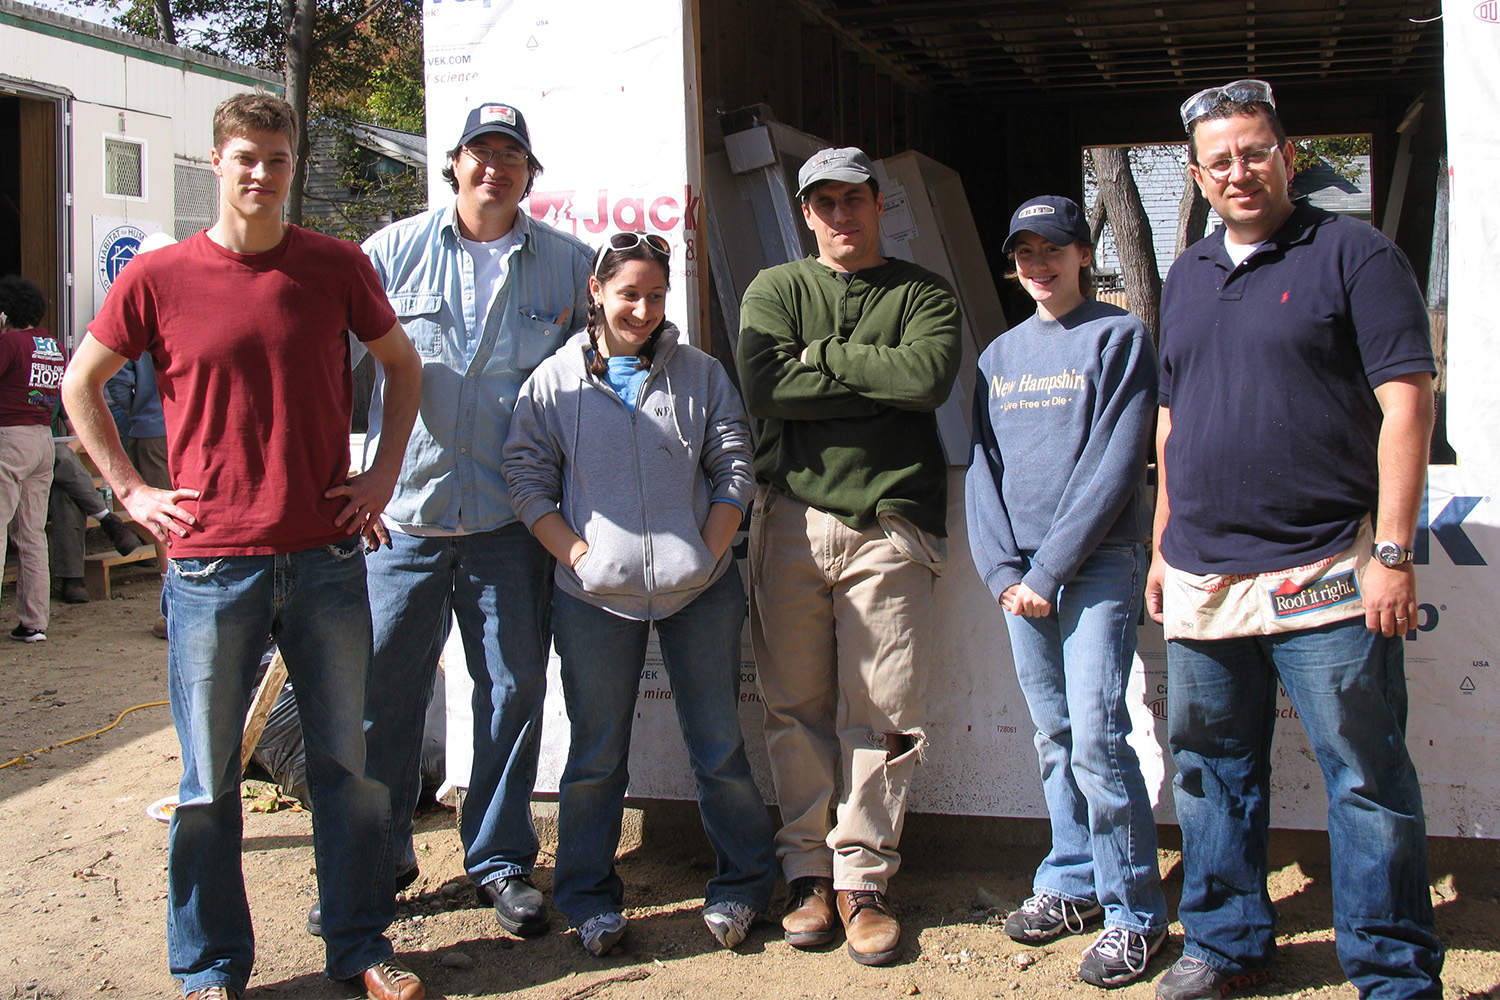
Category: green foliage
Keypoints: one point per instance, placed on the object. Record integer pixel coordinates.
(1340, 152)
(397, 100)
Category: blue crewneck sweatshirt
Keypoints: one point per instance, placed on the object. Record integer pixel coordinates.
(1062, 418)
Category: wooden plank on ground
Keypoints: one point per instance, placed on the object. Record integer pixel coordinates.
(260, 707)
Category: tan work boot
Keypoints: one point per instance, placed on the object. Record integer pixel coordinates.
(871, 928)
(809, 919)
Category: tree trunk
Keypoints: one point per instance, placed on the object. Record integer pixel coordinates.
(166, 30)
(1132, 232)
(1192, 215)
(299, 55)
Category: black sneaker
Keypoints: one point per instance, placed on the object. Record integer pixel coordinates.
(1119, 955)
(1045, 916)
(23, 634)
(1194, 979)
(125, 540)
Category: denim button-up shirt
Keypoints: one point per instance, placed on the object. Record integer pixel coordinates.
(450, 478)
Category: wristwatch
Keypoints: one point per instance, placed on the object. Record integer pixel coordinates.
(1391, 554)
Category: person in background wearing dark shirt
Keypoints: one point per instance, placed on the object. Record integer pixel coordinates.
(31, 370)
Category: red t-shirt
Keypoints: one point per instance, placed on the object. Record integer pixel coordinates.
(31, 370)
(253, 369)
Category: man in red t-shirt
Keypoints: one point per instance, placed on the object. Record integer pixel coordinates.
(245, 324)
(31, 367)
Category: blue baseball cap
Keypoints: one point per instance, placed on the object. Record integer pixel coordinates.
(496, 117)
(1052, 217)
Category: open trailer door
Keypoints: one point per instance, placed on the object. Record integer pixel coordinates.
(34, 231)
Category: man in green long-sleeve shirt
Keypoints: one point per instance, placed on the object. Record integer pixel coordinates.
(844, 359)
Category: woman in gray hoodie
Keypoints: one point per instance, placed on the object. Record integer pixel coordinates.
(629, 458)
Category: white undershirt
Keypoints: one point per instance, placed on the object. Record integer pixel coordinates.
(1238, 252)
(490, 260)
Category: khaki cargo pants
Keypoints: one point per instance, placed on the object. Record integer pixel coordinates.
(840, 620)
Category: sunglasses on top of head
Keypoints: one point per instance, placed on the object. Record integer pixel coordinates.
(629, 241)
(1240, 92)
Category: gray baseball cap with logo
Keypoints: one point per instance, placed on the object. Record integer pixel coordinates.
(848, 164)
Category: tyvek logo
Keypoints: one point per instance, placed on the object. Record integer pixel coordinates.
(1488, 12)
(1447, 527)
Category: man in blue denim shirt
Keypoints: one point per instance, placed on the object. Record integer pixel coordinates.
(486, 294)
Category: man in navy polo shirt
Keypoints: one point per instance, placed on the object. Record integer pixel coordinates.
(1296, 413)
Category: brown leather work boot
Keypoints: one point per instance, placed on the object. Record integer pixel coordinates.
(809, 919)
(871, 928)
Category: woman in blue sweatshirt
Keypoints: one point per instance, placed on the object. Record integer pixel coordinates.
(1058, 521)
(629, 458)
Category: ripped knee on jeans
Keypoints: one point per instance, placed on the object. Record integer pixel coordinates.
(898, 744)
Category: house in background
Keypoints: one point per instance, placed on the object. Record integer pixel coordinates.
(362, 176)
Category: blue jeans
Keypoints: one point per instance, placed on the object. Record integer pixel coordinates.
(223, 612)
(499, 586)
(1073, 667)
(1349, 688)
(602, 655)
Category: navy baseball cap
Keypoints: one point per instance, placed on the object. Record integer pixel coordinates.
(1052, 217)
(500, 118)
(848, 164)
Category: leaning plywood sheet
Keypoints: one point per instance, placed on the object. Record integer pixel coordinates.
(754, 221)
(927, 221)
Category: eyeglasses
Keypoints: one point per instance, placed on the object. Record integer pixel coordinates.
(509, 156)
(1240, 92)
(629, 241)
(1221, 168)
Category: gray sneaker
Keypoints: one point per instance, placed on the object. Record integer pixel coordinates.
(1045, 916)
(601, 933)
(1194, 979)
(1119, 955)
(729, 921)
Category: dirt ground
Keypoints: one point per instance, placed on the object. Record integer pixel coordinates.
(82, 876)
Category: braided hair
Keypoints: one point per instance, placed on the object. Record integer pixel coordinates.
(611, 262)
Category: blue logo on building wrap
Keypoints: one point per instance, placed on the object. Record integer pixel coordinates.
(118, 247)
(1447, 528)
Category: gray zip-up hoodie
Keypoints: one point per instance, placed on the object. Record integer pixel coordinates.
(637, 487)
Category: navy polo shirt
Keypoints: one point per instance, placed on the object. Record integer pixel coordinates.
(1268, 369)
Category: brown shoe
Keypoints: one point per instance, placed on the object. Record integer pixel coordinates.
(809, 919)
(390, 980)
(218, 992)
(871, 928)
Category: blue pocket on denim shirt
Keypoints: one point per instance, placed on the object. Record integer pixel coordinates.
(422, 317)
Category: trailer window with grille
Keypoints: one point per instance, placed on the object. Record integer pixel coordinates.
(195, 200)
(124, 167)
